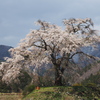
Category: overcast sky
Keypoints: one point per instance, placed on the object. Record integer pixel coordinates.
(17, 17)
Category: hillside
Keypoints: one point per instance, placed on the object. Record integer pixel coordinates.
(64, 93)
(90, 74)
(4, 52)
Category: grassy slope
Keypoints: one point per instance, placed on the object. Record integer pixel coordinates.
(93, 79)
(49, 93)
(54, 93)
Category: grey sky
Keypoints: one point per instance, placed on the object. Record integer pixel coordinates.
(17, 17)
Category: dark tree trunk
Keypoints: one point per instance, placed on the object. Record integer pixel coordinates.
(58, 77)
(58, 71)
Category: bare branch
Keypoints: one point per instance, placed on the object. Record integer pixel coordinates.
(90, 56)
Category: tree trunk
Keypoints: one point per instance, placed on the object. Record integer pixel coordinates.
(58, 71)
(58, 77)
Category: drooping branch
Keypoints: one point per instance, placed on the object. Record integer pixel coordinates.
(90, 56)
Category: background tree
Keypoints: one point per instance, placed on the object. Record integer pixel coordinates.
(50, 44)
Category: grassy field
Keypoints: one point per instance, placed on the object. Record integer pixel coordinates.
(11, 96)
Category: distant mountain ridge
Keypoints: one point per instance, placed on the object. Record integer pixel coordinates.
(4, 52)
(93, 51)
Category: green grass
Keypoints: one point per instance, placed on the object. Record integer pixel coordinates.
(60, 93)
(49, 93)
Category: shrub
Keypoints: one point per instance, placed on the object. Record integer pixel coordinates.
(28, 89)
(25, 80)
(4, 88)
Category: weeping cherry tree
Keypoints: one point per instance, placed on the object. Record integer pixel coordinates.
(52, 44)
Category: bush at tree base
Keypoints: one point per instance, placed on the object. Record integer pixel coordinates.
(28, 89)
